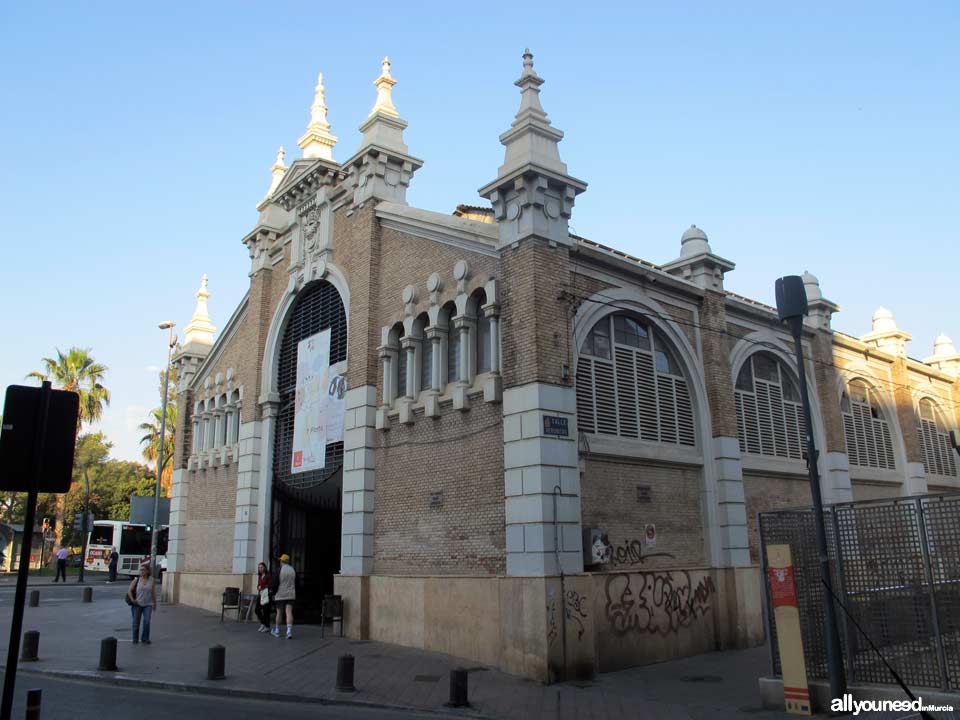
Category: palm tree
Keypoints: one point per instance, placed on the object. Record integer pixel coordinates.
(78, 372)
(151, 443)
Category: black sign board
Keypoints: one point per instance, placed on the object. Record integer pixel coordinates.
(556, 425)
(21, 413)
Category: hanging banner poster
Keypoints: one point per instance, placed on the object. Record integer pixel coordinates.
(311, 404)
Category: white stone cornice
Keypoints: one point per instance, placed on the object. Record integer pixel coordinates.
(472, 235)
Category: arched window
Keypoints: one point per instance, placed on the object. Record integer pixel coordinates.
(425, 351)
(769, 409)
(482, 363)
(400, 366)
(222, 424)
(869, 442)
(934, 440)
(318, 307)
(630, 384)
(235, 430)
(453, 344)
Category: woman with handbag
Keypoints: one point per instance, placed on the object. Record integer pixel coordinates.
(264, 581)
(142, 599)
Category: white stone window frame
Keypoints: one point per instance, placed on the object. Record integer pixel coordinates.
(625, 445)
(933, 435)
(883, 432)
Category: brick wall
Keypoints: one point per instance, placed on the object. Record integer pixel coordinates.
(459, 455)
(827, 394)
(535, 324)
(609, 499)
(716, 370)
(873, 491)
(211, 506)
(770, 493)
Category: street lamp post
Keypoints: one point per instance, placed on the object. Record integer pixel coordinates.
(154, 536)
(791, 308)
(86, 515)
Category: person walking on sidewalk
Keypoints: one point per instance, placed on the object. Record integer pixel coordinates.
(142, 598)
(112, 567)
(264, 581)
(61, 564)
(286, 593)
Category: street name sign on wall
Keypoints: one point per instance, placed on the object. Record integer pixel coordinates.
(556, 425)
(19, 440)
(319, 404)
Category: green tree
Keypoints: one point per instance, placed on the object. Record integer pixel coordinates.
(76, 370)
(151, 438)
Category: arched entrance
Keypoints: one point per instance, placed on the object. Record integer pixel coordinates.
(306, 507)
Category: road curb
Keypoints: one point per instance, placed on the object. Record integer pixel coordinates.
(122, 680)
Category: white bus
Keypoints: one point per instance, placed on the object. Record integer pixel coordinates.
(131, 540)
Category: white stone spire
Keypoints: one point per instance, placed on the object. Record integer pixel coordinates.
(200, 330)
(278, 171)
(317, 142)
(384, 85)
(531, 139)
(384, 126)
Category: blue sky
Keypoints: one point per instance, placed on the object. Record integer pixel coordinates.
(135, 142)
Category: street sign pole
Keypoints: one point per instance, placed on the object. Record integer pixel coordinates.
(86, 516)
(26, 546)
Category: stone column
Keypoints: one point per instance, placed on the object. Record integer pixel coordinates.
(409, 346)
(915, 476)
(263, 439)
(461, 326)
(493, 387)
(179, 490)
(246, 550)
(436, 337)
(359, 481)
(729, 545)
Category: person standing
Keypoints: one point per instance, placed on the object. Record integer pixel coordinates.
(284, 596)
(264, 581)
(61, 564)
(142, 593)
(112, 567)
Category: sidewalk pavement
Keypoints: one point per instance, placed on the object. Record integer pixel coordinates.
(719, 686)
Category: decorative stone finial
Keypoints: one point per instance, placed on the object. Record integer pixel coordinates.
(694, 242)
(278, 170)
(200, 330)
(384, 85)
(943, 346)
(812, 286)
(317, 142)
(883, 320)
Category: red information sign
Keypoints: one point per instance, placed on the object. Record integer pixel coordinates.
(783, 587)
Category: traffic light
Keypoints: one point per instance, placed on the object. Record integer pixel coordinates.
(46, 524)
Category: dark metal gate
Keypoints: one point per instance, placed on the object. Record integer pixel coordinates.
(306, 507)
(895, 566)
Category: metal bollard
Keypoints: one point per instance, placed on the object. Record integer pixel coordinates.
(88, 594)
(34, 598)
(108, 654)
(458, 688)
(345, 674)
(216, 662)
(34, 698)
(31, 643)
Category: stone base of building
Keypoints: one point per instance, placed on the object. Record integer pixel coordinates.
(550, 628)
(203, 589)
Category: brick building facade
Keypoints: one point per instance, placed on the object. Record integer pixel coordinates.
(510, 386)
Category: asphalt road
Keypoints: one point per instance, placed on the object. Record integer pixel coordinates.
(67, 699)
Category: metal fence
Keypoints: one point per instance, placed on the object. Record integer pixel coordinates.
(895, 566)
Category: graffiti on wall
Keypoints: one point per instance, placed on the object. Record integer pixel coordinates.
(630, 552)
(575, 610)
(658, 603)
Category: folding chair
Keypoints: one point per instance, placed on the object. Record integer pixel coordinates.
(230, 601)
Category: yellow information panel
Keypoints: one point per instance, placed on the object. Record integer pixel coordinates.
(786, 615)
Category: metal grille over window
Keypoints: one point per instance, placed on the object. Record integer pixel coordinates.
(869, 442)
(317, 308)
(934, 438)
(629, 384)
(769, 411)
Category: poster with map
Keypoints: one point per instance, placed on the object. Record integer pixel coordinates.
(319, 404)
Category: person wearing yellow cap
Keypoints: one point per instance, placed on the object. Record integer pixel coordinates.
(284, 596)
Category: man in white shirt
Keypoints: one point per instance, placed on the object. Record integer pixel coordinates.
(61, 564)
